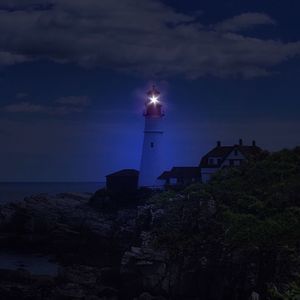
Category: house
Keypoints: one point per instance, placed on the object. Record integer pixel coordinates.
(180, 176)
(216, 159)
(226, 156)
(123, 182)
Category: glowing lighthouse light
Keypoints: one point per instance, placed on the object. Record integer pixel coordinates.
(154, 99)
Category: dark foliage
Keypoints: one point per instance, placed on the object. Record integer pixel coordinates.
(241, 229)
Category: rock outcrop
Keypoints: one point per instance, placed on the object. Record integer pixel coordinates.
(89, 242)
(108, 253)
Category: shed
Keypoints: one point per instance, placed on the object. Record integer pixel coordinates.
(122, 182)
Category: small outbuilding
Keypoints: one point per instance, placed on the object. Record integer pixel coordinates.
(123, 182)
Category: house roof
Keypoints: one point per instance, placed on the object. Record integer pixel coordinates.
(181, 172)
(124, 172)
(223, 151)
(186, 172)
(164, 175)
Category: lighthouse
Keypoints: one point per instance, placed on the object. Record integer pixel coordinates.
(151, 163)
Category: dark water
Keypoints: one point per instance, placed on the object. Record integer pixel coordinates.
(16, 191)
(36, 265)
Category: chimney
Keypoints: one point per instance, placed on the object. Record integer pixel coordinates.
(241, 142)
(218, 143)
(254, 143)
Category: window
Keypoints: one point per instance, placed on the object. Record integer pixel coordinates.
(152, 145)
(231, 162)
(219, 161)
(180, 180)
(211, 161)
(235, 152)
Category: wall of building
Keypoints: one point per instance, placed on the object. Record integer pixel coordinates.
(152, 161)
(237, 157)
(173, 181)
(206, 173)
(122, 185)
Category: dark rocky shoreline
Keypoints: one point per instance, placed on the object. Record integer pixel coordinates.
(236, 238)
(93, 247)
(103, 252)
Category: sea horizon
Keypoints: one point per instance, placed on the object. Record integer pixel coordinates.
(18, 190)
(17, 181)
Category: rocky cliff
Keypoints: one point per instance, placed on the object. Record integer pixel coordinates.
(235, 238)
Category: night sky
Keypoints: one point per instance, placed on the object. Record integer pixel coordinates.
(73, 75)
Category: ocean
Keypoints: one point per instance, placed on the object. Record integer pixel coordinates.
(17, 191)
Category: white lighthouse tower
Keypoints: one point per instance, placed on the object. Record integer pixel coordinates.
(151, 163)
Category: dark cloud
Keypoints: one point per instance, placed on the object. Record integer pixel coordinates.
(26, 107)
(139, 36)
(62, 106)
(21, 95)
(244, 21)
(74, 100)
(8, 58)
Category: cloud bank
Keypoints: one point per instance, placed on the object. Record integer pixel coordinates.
(61, 106)
(137, 36)
(244, 21)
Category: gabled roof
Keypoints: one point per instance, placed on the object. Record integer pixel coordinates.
(164, 175)
(186, 172)
(249, 151)
(181, 172)
(223, 151)
(124, 172)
